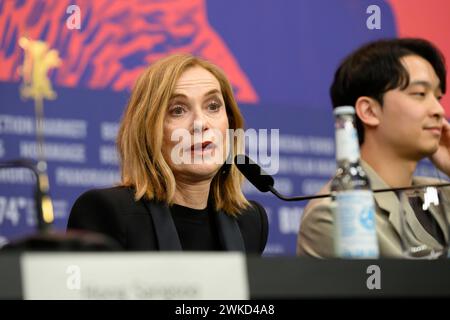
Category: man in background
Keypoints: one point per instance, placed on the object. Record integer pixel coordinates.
(395, 87)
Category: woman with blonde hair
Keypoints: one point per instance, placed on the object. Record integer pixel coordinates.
(177, 192)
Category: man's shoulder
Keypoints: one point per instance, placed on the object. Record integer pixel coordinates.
(316, 227)
(315, 204)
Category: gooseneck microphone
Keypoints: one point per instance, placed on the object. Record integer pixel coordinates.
(48, 239)
(44, 208)
(265, 182)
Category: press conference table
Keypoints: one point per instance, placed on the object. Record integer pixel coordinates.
(290, 278)
(296, 278)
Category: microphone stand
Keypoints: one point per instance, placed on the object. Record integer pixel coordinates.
(44, 208)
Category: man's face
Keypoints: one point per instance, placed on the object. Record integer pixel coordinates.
(411, 119)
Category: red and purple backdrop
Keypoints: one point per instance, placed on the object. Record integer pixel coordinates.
(279, 55)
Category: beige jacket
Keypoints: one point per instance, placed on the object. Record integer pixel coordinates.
(315, 237)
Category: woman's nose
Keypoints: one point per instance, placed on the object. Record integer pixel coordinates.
(200, 122)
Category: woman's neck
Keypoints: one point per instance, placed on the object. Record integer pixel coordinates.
(192, 195)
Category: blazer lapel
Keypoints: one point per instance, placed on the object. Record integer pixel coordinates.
(434, 211)
(229, 233)
(443, 220)
(387, 201)
(227, 227)
(417, 231)
(166, 232)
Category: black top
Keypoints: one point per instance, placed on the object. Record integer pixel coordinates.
(148, 224)
(427, 220)
(196, 228)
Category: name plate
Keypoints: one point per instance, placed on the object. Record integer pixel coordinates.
(215, 276)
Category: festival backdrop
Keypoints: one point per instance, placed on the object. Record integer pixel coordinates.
(279, 55)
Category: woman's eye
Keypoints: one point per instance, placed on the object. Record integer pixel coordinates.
(214, 106)
(177, 110)
(420, 94)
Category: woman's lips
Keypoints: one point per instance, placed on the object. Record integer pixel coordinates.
(202, 147)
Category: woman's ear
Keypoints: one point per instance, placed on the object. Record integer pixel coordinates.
(368, 111)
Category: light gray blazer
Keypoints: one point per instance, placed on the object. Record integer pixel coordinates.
(315, 237)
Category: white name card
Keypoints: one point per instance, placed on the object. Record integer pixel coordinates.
(215, 276)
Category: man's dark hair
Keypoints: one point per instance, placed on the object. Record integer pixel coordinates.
(375, 68)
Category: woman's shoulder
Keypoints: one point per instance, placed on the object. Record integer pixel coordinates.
(111, 192)
(113, 195)
(97, 207)
(253, 215)
(254, 208)
(113, 199)
(254, 226)
(100, 210)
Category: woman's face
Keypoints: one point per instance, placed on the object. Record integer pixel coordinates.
(195, 126)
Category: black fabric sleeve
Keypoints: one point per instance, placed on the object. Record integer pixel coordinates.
(264, 225)
(96, 211)
(254, 228)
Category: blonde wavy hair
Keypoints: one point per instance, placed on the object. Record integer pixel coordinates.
(139, 139)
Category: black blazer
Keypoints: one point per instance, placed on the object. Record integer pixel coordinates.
(148, 225)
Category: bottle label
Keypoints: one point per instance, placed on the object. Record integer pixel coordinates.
(355, 233)
(347, 146)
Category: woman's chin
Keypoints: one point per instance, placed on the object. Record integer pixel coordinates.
(201, 170)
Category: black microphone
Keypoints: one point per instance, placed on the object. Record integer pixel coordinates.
(265, 182)
(254, 173)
